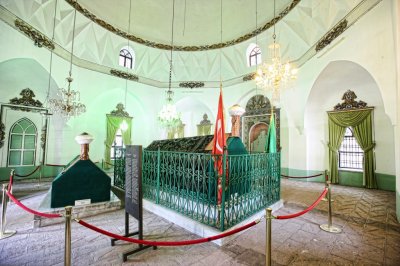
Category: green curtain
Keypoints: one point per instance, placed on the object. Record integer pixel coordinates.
(363, 135)
(361, 122)
(336, 134)
(113, 123)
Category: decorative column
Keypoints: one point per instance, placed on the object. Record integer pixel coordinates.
(84, 139)
(236, 111)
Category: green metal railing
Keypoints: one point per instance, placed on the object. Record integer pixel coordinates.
(119, 167)
(188, 184)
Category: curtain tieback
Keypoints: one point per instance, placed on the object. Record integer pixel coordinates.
(370, 147)
(331, 148)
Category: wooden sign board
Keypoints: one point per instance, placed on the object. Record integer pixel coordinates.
(133, 181)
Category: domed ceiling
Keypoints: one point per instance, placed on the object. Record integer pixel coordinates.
(303, 28)
(197, 23)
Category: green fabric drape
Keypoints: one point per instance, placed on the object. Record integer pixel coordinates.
(363, 135)
(113, 123)
(361, 122)
(336, 134)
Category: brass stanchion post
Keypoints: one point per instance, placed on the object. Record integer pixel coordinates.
(67, 250)
(3, 232)
(330, 227)
(326, 184)
(268, 236)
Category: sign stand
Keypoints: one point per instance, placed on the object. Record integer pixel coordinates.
(133, 196)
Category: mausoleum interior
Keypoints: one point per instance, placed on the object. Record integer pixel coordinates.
(185, 120)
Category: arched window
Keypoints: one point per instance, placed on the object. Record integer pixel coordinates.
(22, 144)
(350, 153)
(127, 57)
(253, 55)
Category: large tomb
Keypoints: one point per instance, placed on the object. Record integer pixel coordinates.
(80, 180)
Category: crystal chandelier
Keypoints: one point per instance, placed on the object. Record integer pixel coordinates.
(168, 116)
(67, 104)
(275, 74)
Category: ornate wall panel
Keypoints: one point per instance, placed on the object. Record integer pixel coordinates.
(256, 120)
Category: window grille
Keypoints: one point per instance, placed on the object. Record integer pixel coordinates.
(126, 58)
(255, 56)
(22, 144)
(118, 143)
(350, 153)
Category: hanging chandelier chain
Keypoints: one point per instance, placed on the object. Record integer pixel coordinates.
(220, 49)
(51, 52)
(72, 47)
(169, 93)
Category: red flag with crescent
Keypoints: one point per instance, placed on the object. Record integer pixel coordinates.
(219, 134)
(219, 144)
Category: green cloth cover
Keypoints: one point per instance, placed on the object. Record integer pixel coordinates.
(83, 180)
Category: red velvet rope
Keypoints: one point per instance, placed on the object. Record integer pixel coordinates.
(29, 173)
(10, 183)
(309, 176)
(47, 215)
(306, 210)
(167, 243)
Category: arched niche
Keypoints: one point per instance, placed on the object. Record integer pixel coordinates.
(255, 122)
(333, 81)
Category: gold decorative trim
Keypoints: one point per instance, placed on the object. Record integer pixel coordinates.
(349, 102)
(191, 84)
(163, 46)
(331, 35)
(2, 134)
(38, 38)
(124, 75)
(26, 100)
(120, 111)
(249, 77)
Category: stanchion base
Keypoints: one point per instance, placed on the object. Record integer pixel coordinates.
(331, 229)
(7, 234)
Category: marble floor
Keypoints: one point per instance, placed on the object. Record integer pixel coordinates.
(371, 235)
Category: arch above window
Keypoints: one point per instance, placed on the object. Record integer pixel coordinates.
(253, 55)
(127, 57)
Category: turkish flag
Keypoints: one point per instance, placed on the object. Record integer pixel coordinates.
(219, 144)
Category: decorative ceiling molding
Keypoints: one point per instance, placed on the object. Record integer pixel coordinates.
(26, 100)
(331, 35)
(349, 102)
(191, 84)
(249, 77)
(193, 48)
(38, 38)
(124, 75)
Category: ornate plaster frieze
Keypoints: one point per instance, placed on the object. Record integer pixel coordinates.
(331, 35)
(26, 100)
(205, 120)
(39, 39)
(43, 137)
(258, 105)
(191, 84)
(120, 111)
(349, 102)
(124, 75)
(249, 77)
(2, 134)
(164, 46)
